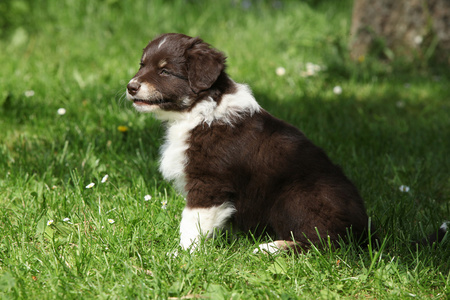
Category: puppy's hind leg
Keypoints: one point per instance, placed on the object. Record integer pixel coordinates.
(196, 222)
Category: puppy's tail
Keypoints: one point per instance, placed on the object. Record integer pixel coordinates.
(436, 237)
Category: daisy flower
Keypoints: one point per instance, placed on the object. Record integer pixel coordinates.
(90, 185)
(111, 221)
(147, 197)
(418, 40)
(61, 111)
(311, 70)
(404, 188)
(29, 93)
(67, 220)
(337, 90)
(49, 222)
(105, 178)
(280, 71)
(164, 204)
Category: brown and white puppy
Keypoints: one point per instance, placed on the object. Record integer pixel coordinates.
(233, 160)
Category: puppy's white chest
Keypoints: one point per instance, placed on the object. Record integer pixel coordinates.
(173, 154)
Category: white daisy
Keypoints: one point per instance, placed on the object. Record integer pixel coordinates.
(164, 204)
(337, 90)
(280, 71)
(404, 188)
(418, 39)
(105, 178)
(311, 70)
(90, 185)
(67, 220)
(29, 93)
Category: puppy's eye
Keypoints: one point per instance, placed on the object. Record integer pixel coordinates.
(164, 72)
(141, 65)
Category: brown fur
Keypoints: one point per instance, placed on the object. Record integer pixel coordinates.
(276, 178)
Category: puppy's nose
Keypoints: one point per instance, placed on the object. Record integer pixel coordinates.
(133, 87)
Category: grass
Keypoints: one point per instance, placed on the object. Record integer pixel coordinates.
(389, 127)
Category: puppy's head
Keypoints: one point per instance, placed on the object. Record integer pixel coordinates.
(176, 71)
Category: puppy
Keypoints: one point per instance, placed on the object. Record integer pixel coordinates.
(234, 161)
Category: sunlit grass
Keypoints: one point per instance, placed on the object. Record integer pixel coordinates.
(68, 232)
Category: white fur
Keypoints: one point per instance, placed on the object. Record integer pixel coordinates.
(233, 105)
(444, 226)
(271, 248)
(162, 42)
(180, 124)
(173, 157)
(196, 222)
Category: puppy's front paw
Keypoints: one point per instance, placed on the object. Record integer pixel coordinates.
(189, 244)
(271, 248)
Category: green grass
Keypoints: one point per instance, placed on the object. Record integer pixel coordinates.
(389, 127)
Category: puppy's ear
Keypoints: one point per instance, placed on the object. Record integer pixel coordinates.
(204, 65)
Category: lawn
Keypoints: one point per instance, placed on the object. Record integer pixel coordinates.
(70, 231)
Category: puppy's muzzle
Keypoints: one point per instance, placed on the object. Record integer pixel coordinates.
(133, 87)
